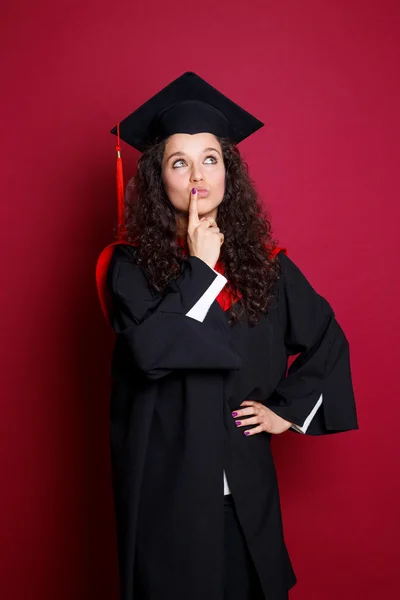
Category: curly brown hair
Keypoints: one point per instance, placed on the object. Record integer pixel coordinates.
(151, 224)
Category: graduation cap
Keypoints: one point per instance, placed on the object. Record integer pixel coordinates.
(186, 105)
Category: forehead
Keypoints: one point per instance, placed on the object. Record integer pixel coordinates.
(186, 142)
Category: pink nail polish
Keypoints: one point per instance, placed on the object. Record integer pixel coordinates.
(247, 433)
(234, 414)
(238, 422)
(194, 190)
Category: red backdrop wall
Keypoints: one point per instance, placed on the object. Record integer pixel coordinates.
(323, 76)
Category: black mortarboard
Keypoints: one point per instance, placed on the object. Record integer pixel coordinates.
(186, 105)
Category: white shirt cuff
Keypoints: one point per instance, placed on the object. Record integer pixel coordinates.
(202, 306)
(304, 427)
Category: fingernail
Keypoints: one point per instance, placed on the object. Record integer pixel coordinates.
(247, 433)
(194, 190)
(234, 414)
(238, 422)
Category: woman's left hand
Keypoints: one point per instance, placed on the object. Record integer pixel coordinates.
(260, 415)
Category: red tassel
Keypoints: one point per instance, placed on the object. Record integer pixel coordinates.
(120, 191)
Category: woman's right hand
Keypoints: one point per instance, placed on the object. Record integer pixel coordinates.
(203, 236)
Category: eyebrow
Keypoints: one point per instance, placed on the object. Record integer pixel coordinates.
(178, 153)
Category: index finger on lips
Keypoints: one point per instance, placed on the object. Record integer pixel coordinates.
(193, 213)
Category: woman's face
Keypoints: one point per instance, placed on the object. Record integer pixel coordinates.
(194, 161)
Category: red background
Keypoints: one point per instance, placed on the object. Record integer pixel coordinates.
(323, 76)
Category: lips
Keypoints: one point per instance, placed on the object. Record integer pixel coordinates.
(202, 192)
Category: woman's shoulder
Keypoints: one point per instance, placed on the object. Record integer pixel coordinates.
(288, 266)
(298, 290)
(113, 263)
(122, 256)
(124, 252)
(119, 258)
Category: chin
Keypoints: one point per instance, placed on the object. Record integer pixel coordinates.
(205, 206)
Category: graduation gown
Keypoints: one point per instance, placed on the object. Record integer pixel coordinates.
(176, 378)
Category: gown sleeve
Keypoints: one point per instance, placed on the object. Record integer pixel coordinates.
(175, 330)
(317, 393)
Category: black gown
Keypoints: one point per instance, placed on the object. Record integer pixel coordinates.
(175, 382)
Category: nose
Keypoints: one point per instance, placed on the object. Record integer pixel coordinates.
(196, 174)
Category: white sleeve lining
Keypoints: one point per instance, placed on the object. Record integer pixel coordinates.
(202, 306)
(304, 427)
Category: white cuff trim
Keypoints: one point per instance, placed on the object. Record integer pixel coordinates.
(307, 422)
(202, 306)
(226, 486)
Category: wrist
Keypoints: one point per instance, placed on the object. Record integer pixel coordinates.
(208, 263)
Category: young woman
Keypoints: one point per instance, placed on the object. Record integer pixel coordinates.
(206, 309)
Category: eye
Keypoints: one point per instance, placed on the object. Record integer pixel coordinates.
(176, 164)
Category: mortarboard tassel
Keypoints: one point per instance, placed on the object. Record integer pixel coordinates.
(120, 191)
